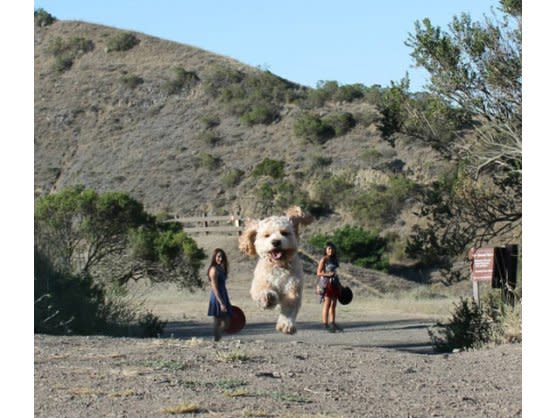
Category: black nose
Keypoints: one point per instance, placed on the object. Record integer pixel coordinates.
(276, 242)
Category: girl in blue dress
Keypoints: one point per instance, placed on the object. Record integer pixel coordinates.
(219, 303)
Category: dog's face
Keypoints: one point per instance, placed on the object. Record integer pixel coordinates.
(275, 237)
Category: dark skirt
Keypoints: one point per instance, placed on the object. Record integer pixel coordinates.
(214, 307)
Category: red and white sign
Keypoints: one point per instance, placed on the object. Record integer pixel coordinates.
(483, 263)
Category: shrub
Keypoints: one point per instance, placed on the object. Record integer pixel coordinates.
(330, 190)
(210, 121)
(382, 204)
(278, 194)
(65, 52)
(318, 162)
(74, 304)
(209, 137)
(232, 177)
(261, 113)
(86, 233)
(341, 122)
(313, 129)
(131, 81)
(43, 18)
(220, 78)
(349, 93)
(183, 80)
(123, 41)
(473, 326)
(207, 161)
(62, 63)
(356, 245)
(255, 97)
(269, 167)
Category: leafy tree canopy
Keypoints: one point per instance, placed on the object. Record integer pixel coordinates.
(475, 71)
(110, 237)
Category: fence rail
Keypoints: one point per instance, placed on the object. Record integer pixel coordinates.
(210, 224)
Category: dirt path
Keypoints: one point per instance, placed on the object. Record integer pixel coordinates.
(244, 377)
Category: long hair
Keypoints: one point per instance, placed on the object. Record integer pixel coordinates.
(333, 258)
(214, 260)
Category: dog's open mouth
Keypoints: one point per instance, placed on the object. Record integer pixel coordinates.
(277, 254)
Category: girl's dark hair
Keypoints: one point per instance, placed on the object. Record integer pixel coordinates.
(214, 260)
(332, 258)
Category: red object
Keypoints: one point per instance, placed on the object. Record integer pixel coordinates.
(483, 264)
(237, 321)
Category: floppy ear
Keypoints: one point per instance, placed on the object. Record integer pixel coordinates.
(247, 239)
(297, 217)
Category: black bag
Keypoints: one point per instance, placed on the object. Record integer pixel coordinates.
(346, 295)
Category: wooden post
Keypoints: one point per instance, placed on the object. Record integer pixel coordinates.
(476, 292)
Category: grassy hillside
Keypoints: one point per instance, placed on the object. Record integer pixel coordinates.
(186, 131)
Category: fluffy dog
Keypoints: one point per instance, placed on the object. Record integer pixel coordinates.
(278, 278)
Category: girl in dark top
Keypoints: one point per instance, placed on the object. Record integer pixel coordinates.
(326, 270)
(219, 303)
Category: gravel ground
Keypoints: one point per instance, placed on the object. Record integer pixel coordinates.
(365, 371)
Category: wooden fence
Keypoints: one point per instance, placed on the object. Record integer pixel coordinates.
(210, 224)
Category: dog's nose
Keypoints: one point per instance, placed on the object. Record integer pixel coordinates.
(276, 243)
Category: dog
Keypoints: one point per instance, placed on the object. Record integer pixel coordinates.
(278, 277)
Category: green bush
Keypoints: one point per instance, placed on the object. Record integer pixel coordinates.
(210, 121)
(279, 194)
(256, 98)
(313, 129)
(207, 161)
(123, 41)
(330, 191)
(62, 63)
(220, 79)
(269, 167)
(232, 177)
(473, 326)
(209, 137)
(131, 81)
(260, 113)
(382, 205)
(341, 122)
(319, 162)
(74, 304)
(356, 245)
(43, 18)
(183, 80)
(109, 237)
(65, 52)
(349, 93)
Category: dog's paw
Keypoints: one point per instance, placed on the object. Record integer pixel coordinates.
(286, 326)
(267, 299)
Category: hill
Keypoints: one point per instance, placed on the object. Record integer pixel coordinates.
(187, 131)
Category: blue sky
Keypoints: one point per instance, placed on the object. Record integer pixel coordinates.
(350, 41)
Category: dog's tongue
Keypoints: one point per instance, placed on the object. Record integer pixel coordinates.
(276, 254)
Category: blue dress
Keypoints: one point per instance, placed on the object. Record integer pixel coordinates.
(214, 307)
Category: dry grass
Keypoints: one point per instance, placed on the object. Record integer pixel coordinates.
(185, 408)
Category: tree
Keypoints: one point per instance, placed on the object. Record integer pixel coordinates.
(476, 68)
(110, 237)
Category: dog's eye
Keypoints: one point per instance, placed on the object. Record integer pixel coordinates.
(266, 235)
(285, 233)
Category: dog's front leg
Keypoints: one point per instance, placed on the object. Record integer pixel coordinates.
(262, 291)
(289, 307)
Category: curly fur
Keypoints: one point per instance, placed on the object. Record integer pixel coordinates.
(278, 278)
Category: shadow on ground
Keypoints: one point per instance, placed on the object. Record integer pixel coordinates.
(404, 335)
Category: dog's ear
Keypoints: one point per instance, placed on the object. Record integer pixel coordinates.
(247, 239)
(298, 217)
